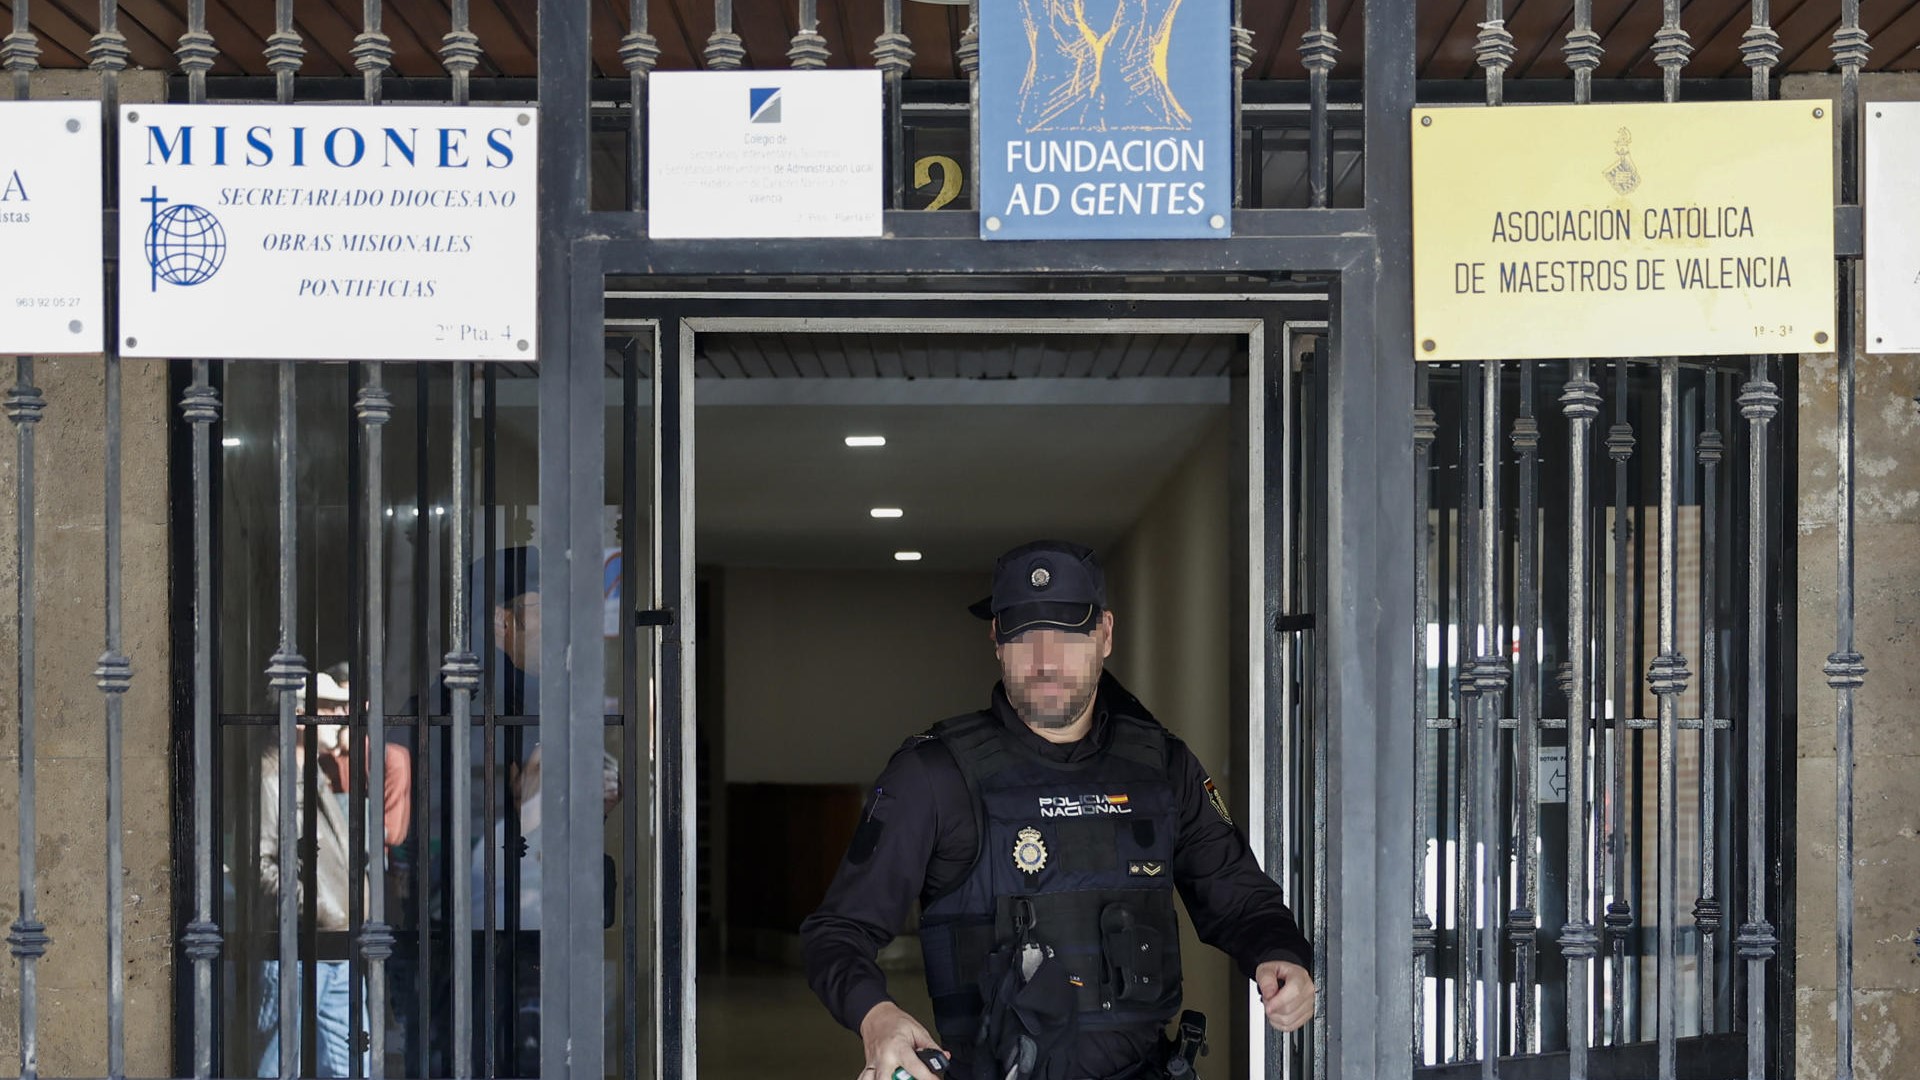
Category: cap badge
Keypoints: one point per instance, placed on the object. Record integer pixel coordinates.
(1042, 577)
(1029, 851)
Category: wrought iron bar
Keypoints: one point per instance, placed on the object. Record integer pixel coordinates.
(1523, 922)
(893, 55)
(1579, 941)
(373, 55)
(1668, 674)
(20, 51)
(20, 55)
(460, 670)
(639, 54)
(1425, 427)
(725, 51)
(1446, 724)
(375, 407)
(427, 704)
(968, 55)
(808, 49)
(1494, 50)
(287, 675)
(1759, 402)
(1493, 47)
(632, 704)
(1668, 680)
(1583, 54)
(108, 54)
(460, 54)
(1619, 920)
(1242, 59)
(114, 676)
(1319, 49)
(27, 937)
(1846, 669)
(1465, 761)
(284, 51)
(490, 709)
(1708, 913)
(1490, 673)
(461, 674)
(200, 407)
(1580, 400)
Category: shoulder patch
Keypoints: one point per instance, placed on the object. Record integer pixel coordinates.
(1219, 801)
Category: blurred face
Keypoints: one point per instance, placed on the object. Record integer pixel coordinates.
(516, 629)
(333, 737)
(1051, 675)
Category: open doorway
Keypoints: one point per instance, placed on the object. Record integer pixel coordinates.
(833, 577)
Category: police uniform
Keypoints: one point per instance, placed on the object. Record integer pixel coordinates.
(1045, 873)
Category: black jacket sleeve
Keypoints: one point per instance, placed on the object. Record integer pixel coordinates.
(1235, 906)
(912, 818)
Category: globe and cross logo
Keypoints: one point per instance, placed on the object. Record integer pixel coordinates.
(185, 244)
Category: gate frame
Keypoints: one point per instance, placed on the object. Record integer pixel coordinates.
(1368, 1002)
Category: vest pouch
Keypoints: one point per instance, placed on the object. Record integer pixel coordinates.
(1028, 1018)
(1134, 953)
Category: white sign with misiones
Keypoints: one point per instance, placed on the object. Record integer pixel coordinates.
(328, 232)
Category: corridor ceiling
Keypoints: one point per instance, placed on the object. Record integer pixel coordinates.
(507, 34)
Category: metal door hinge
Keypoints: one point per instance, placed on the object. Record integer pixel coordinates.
(653, 617)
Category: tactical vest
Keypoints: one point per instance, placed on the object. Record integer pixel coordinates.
(1076, 857)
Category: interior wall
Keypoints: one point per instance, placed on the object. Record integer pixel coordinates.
(829, 671)
(1170, 584)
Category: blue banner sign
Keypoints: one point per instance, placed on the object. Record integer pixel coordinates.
(1105, 119)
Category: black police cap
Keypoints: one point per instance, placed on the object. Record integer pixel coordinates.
(1045, 584)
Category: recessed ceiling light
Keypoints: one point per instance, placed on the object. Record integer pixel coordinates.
(906, 556)
(887, 512)
(866, 440)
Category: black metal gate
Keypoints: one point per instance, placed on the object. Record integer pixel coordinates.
(1497, 935)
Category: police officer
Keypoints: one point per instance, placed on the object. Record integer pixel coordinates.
(1044, 838)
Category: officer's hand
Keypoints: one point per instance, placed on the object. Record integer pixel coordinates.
(892, 1036)
(1287, 989)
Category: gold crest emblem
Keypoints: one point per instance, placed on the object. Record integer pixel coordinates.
(1029, 851)
(1623, 176)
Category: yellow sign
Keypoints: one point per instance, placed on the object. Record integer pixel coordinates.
(1622, 230)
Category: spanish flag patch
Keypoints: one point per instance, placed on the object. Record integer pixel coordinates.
(1219, 802)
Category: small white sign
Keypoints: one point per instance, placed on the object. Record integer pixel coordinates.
(1893, 227)
(751, 154)
(328, 232)
(1553, 774)
(51, 282)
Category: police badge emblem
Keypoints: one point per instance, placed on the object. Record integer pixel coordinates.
(1029, 851)
(1041, 578)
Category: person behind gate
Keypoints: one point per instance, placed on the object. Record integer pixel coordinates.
(1044, 838)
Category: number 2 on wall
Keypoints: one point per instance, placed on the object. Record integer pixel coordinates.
(949, 179)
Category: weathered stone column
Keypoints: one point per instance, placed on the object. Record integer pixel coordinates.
(1886, 733)
(71, 723)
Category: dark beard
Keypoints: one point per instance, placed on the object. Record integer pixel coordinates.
(1049, 721)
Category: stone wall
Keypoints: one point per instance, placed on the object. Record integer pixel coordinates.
(1887, 737)
(70, 755)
